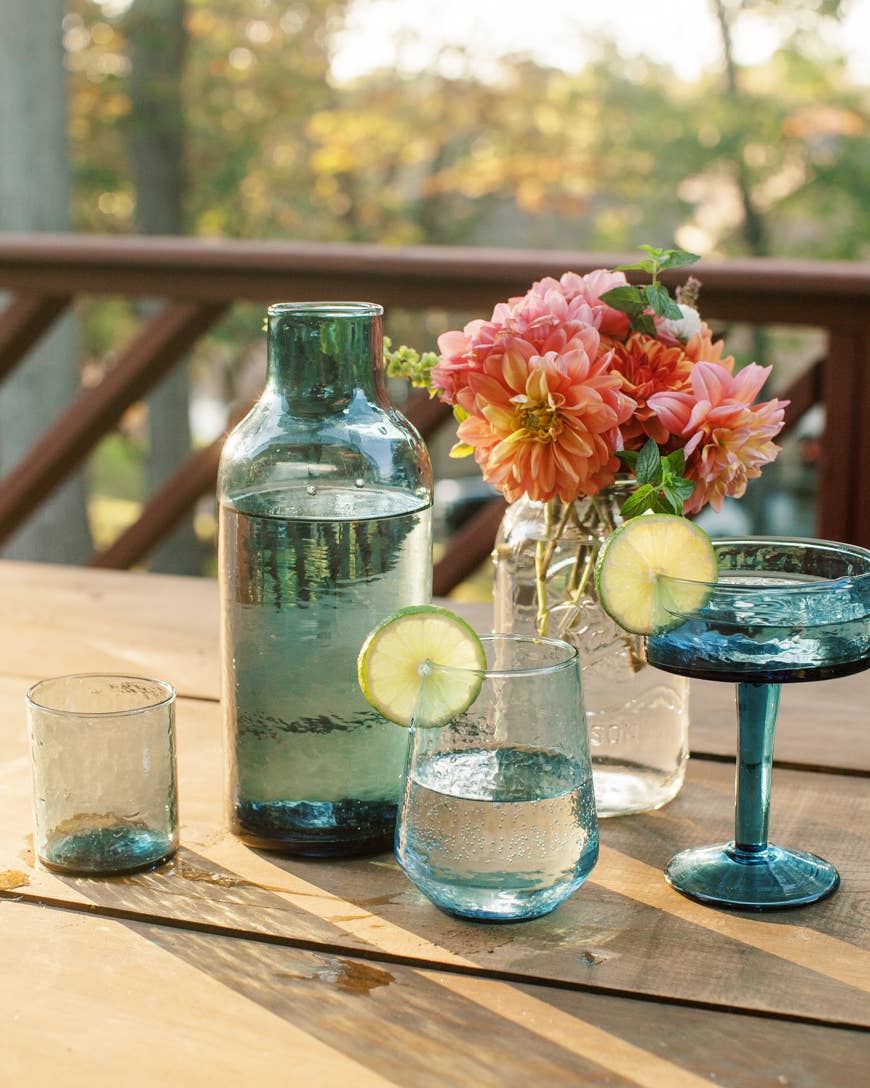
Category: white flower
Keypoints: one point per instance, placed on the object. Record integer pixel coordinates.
(684, 328)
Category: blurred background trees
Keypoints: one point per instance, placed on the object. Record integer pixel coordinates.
(232, 118)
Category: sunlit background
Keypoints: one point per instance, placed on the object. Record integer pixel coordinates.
(731, 127)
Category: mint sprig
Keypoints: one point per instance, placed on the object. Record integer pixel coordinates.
(662, 487)
(637, 301)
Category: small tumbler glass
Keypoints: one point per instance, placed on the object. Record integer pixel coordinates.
(104, 777)
(498, 821)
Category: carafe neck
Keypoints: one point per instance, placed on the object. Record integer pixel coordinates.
(324, 355)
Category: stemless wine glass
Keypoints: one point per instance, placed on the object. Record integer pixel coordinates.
(782, 611)
(498, 822)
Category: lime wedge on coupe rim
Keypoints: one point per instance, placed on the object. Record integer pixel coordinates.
(394, 666)
(626, 574)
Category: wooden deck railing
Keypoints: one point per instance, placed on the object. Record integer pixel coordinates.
(200, 280)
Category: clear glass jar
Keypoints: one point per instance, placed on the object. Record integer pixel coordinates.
(325, 495)
(638, 716)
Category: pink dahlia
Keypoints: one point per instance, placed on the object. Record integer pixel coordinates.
(553, 316)
(702, 348)
(526, 327)
(728, 438)
(545, 425)
(589, 289)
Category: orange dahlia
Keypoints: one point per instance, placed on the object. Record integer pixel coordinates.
(648, 367)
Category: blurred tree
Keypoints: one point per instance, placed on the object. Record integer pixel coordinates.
(769, 158)
(157, 43)
(35, 196)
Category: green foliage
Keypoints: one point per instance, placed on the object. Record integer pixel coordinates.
(407, 363)
(637, 301)
(662, 487)
(538, 157)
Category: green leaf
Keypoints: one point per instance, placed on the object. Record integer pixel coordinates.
(629, 299)
(676, 492)
(629, 457)
(639, 266)
(638, 502)
(674, 464)
(648, 468)
(645, 324)
(460, 415)
(678, 258)
(661, 302)
(660, 505)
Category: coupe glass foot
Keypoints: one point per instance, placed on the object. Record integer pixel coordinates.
(769, 879)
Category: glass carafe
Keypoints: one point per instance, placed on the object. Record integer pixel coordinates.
(325, 496)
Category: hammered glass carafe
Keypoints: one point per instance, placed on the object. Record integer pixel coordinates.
(325, 527)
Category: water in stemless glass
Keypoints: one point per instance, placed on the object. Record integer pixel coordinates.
(104, 776)
(498, 819)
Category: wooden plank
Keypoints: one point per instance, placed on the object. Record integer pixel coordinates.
(25, 319)
(48, 463)
(625, 931)
(94, 996)
(819, 725)
(56, 620)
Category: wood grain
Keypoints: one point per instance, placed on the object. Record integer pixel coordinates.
(820, 725)
(100, 1002)
(56, 620)
(625, 931)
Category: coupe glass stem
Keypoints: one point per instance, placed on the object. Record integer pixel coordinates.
(757, 706)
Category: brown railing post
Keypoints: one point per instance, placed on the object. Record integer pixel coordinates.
(839, 497)
(803, 393)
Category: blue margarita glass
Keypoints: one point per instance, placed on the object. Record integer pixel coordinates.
(782, 611)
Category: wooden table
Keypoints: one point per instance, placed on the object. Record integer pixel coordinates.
(230, 966)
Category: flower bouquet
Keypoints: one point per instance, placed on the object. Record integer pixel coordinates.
(587, 401)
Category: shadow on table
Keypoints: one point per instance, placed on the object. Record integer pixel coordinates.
(398, 1022)
(618, 933)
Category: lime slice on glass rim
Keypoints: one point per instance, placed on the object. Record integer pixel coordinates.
(626, 574)
(394, 666)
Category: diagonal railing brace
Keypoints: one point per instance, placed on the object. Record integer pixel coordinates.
(24, 320)
(95, 411)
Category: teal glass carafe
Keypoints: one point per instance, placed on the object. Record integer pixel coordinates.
(325, 496)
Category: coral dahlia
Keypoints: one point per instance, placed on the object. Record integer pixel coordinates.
(545, 425)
